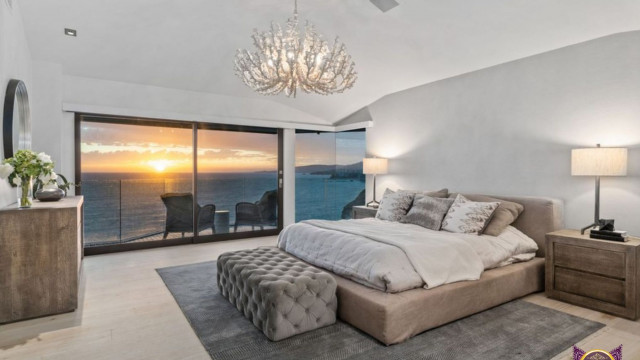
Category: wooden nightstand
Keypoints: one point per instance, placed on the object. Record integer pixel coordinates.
(361, 212)
(598, 274)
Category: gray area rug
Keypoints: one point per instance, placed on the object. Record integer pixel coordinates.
(516, 330)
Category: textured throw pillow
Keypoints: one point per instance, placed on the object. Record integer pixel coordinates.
(394, 205)
(469, 217)
(427, 212)
(504, 216)
(442, 193)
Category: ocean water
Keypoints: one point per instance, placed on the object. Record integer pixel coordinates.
(321, 197)
(124, 207)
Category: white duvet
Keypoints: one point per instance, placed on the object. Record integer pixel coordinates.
(394, 257)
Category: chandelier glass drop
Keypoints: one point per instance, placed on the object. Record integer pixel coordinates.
(286, 61)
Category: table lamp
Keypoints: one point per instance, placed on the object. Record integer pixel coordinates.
(374, 166)
(598, 161)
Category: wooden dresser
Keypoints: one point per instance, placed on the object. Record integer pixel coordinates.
(40, 259)
(598, 274)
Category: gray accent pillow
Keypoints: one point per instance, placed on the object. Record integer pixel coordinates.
(468, 217)
(394, 205)
(506, 213)
(442, 193)
(427, 212)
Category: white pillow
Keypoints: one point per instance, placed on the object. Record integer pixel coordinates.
(468, 217)
(394, 205)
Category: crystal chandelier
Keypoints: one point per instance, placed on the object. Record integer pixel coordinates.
(284, 60)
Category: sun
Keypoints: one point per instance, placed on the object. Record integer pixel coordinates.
(159, 165)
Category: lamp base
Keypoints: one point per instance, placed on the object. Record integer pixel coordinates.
(588, 227)
(602, 224)
(373, 204)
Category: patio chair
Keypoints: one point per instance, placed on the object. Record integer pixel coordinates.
(180, 214)
(261, 213)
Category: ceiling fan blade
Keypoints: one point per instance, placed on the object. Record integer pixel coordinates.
(385, 5)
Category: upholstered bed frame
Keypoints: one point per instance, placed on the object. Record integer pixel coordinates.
(393, 318)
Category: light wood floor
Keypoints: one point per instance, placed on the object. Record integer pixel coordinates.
(127, 313)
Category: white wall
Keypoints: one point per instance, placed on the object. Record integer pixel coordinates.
(104, 93)
(46, 113)
(509, 129)
(52, 129)
(15, 63)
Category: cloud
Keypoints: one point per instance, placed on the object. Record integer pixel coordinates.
(125, 148)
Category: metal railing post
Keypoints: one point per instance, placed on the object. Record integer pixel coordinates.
(120, 210)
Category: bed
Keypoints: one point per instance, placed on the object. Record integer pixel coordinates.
(392, 314)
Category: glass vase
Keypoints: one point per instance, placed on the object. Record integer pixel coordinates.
(25, 192)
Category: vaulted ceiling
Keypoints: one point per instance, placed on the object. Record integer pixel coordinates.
(190, 44)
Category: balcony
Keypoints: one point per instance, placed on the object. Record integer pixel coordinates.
(131, 210)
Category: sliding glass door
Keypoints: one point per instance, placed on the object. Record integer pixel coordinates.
(238, 174)
(149, 183)
(126, 169)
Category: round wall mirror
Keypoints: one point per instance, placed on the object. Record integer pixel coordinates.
(16, 123)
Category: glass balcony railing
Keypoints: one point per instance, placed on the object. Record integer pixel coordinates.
(131, 210)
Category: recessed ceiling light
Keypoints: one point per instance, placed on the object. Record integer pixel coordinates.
(70, 32)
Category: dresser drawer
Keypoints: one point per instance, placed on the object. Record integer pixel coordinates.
(596, 261)
(591, 286)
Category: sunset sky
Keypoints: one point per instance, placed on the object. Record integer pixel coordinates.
(133, 148)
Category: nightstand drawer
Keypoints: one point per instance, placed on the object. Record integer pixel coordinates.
(362, 212)
(597, 261)
(598, 274)
(591, 286)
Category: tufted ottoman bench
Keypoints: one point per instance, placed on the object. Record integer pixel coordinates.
(281, 295)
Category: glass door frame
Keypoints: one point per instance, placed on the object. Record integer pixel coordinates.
(280, 177)
(195, 127)
(335, 139)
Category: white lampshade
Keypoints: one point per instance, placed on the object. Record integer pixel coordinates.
(375, 166)
(599, 161)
